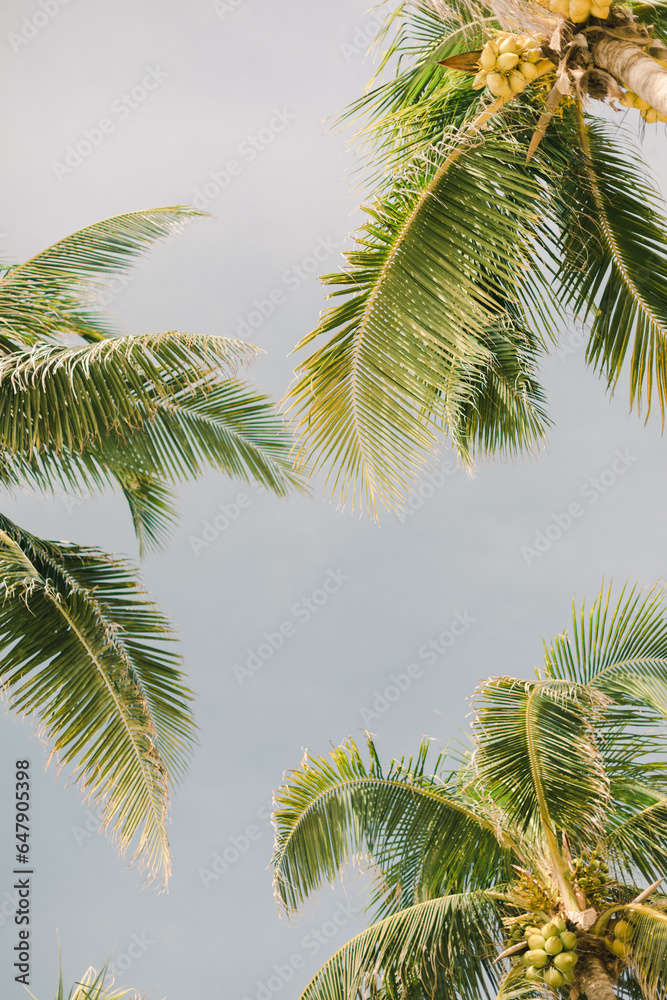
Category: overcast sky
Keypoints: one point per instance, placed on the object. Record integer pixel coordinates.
(219, 83)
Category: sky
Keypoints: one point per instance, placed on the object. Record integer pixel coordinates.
(183, 89)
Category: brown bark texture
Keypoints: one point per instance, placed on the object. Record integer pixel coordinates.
(597, 982)
(637, 70)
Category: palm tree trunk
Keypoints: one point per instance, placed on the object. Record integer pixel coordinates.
(637, 70)
(597, 982)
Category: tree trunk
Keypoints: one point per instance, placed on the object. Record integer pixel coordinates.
(597, 982)
(638, 71)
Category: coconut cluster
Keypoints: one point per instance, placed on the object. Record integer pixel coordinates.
(590, 873)
(580, 10)
(509, 63)
(617, 940)
(552, 954)
(649, 114)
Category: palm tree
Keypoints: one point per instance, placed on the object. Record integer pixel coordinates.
(503, 205)
(83, 647)
(512, 870)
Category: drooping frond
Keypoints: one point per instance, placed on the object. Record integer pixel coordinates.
(55, 292)
(446, 943)
(421, 834)
(536, 756)
(614, 263)
(161, 437)
(647, 949)
(70, 397)
(437, 266)
(87, 652)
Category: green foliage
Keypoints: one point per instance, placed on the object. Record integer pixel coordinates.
(413, 353)
(87, 652)
(566, 781)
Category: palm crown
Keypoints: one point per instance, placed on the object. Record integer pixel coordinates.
(82, 644)
(502, 204)
(513, 870)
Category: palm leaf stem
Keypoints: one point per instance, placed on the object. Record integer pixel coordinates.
(605, 917)
(555, 856)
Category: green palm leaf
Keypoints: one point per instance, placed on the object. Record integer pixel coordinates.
(411, 825)
(67, 397)
(619, 650)
(438, 263)
(86, 651)
(614, 264)
(133, 412)
(536, 755)
(55, 292)
(443, 942)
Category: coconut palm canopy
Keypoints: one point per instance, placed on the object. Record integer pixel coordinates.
(519, 869)
(506, 202)
(81, 409)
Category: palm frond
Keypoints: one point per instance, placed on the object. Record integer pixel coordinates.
(619, 650)
(614, 264)
(637, 842)
(87, 652)
(436, 266)
(647, 955)
(68, 397)
(421, 835)
(55, 292)
(445, 943)
(536, 755)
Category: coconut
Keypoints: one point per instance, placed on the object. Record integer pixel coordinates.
(532, 55)
(535, 941)
(548, 930)
(533, 974)
(508, 44)
(619, 948)
(553, 945)
(579, 10)
(560, 7)
(543, 65)
(477, 84)
(518, 82)
(488, 57)
(528, 71)
(553, 978)
(622, 930)
(537, 957)
(507, 61)
(531, 930)
(559, 923)
(565, 962)
(569, 940)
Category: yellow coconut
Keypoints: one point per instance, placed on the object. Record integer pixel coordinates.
(508, 45)
(507, 61)
(579, 10)
(488, 57)
(479, 81)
